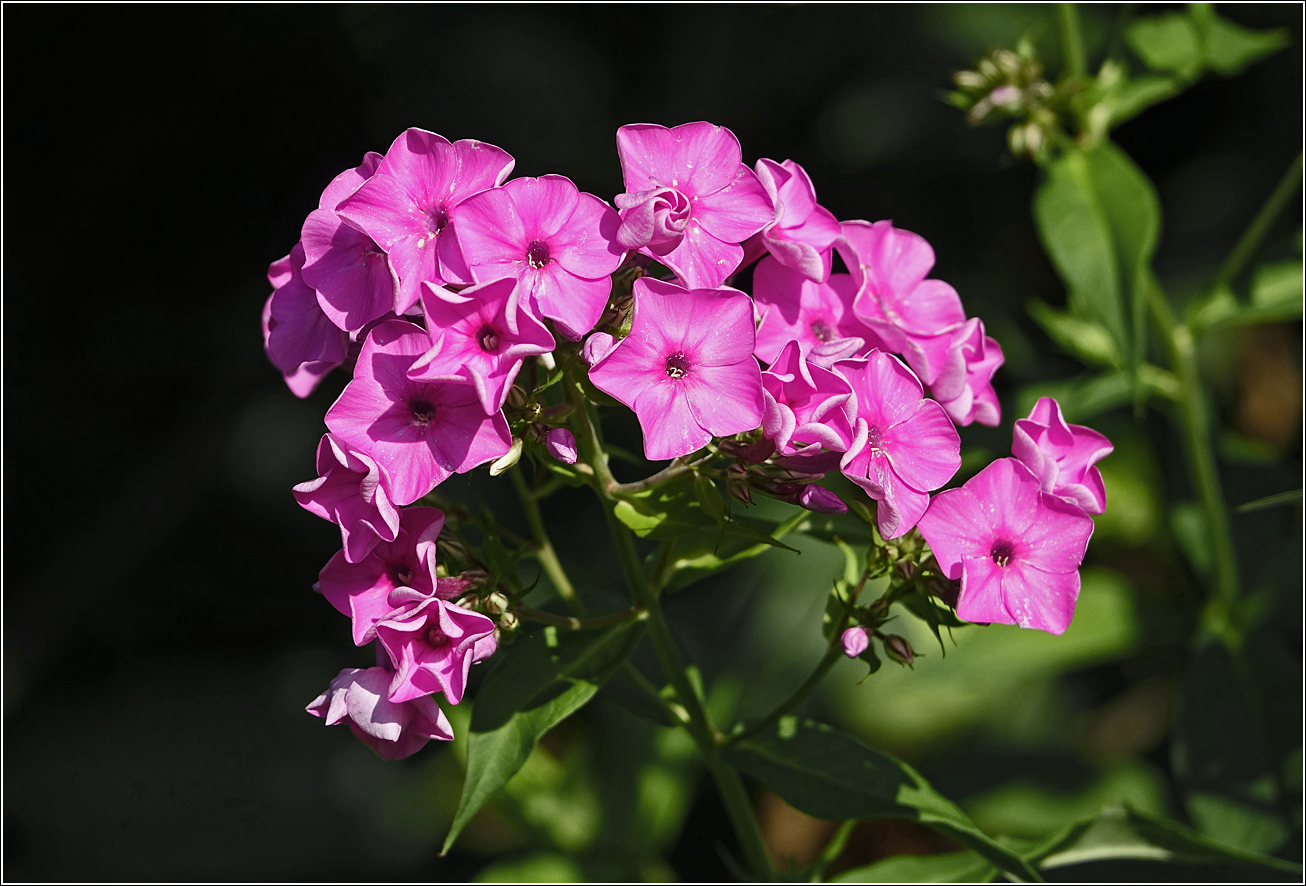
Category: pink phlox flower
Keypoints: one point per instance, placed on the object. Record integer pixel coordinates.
(964, 382)
(361, 590)
(557, 241)
(433, 644)
(419, 431)
(690, 200)
(904, 445)
(1016, 549)
(686, 368)
(818, 316)
(819, 500)
(393, 730)
(855, 641)
(806, 406)
(410, 206)
(889, 266)
(353, 278)
(1062, 456)
(353, 491)
(802, 234)
(479, 336)
(561, 444)
(299, 339)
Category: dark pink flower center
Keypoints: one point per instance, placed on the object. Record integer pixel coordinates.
(400, 574)
(423, 412)
(1002, 552)
(822, 329)
(437, 637)
(488, 338)
(537, 256)
(677, 365)
(437, 219)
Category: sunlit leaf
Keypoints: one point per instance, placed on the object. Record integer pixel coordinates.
(945, 867)
(1229, 46)
(663, 512)
(536, 683)
(1168, 42)
(1088, 341)
(829, 774)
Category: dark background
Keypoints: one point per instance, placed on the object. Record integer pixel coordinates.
(160, 638)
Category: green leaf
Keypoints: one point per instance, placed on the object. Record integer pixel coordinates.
(536, 683)
(1169, 42)
(933, 613)
(699, 554)
(1229, 46)
(829, 774)
(663, 512)
(1125, 833)
(1084, 398)
(1088, 341)
(709, 498)
(1134, 96)
(1276, 295)
(945, 867)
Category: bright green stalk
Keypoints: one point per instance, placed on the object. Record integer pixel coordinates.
(1260, 226)
(544, 547)
(1072, 40)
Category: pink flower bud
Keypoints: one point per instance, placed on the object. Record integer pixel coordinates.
(821, 500)
(561, 445)
(855, 641)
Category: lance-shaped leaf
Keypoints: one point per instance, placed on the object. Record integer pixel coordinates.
(829, 774)
(536, 683)
(1099, 219)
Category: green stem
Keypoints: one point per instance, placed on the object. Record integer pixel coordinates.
(581, 624)
(1179, 346)
(588, 437)
(544, 552)
(832, 653)
(730, 785)
(1260, 226)
(822, 668)
(1072, 40)
(833, 849)
(674, 711)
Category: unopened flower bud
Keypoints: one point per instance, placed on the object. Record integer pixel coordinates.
(821, 500)
(907, 568)
(898, 649)
(596, 347)
(508, 621)
(496, 603)
(517, 396)
(946, 590)
(470, 601)
(508, 459)
(561, 445)
(855, 641)
(739, 491)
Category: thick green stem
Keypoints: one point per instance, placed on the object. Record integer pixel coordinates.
(544, 547)
(728, 781)
(1180, 348)
(1260, 226)
(1072, 40)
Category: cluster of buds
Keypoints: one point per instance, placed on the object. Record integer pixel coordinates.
(1007, 85)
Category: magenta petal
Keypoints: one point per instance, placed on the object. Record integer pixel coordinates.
(628, 368)
(1058, 538)
(702, 261)
(737, 211)
(957, 527)
(490, 231)
(854, 641)
(981, 598)
(586, 245)
(1038, 599)
(720, 328)
(385, 210)
(925, 449)
(726, 400)
(697, 158)
(901, 508)
(544, 204)
(669, 426)
(1014, 494)
(574, 303)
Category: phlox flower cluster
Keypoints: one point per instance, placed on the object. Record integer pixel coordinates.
(438, 279)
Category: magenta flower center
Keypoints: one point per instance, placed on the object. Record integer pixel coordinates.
(437, 637)
(537, 256)
(488, 338)
(677, 365)
(822, 329)
(1002, 552)
(399, 574)
(423, 412)
(437, 219)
